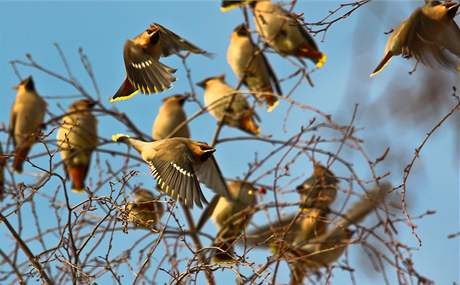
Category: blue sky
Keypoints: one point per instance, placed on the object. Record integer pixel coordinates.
(101, 29)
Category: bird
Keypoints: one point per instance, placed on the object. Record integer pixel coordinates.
(231, 216)
(77, 138)
(178, 165)
(306, 252)
(281, 30)
(320, 189)
(217, 98)
(144, 71)
(2, 177)
(251, 66)
(170, 116)
(429, 34)
(145, 210)
(26, 120)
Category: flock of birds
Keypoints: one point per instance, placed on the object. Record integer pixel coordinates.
(179, 164)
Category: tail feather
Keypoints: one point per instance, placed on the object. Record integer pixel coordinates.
(125, 92)
(78, 175)
(316, 56)
(20, 154)
(382, 64)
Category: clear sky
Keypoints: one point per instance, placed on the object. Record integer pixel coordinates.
(102, 27)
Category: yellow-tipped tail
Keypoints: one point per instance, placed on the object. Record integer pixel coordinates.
(273, 106)
(227, 5)
(123, 98)
(322, 60)
(119, 137)
(78, 190)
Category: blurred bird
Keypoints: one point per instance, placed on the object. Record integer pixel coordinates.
(145, 210)
(26, 120)
(170, 116)
(231, 216)
(77, 138)
(319, 250)
(427, 35)
(217, 98)
(145, 73)
(320, 189)
(2, 166)
(281, 30)
(250, 65)
(178, 164)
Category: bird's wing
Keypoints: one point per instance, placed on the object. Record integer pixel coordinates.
(13, 117)
(172, 43)
(311, 42)
(207, 213)
(178, 180)
(146, 73)
(209, 174)
(419, 35)
(272, 74)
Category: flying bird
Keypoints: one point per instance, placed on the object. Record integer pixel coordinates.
(77, 139)
(26, 120)
(178, 165)
(144, 71)
(250, 65)
(231, 216)
(170, 115)
(145, 210)
(217, 98)
(281, 30)
(430, 35)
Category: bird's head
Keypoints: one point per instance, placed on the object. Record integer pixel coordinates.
(201, 150)
(84, 104)
(207, 81)
(25, 85)
(437, 10)
(241, 30)
(176, 99)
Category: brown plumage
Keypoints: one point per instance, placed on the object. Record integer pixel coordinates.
(250, 65)
(170, 115)
(231, 216)
(145, 73)
(77, 138)
(26, 120)
(217, 97)
(178, 165)
(145, 210)
(430, 35)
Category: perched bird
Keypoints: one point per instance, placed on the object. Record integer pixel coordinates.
(430, 35)
(217, 98)
(231, 216)
(319, 190)
(145, 73)
(178, 164)
(26, 120)
(170, 116)
(2, 166)
(77, 138)
(281, 30)
(250, 65)
(145, 210)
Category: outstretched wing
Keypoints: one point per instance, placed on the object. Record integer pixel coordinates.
(172, 43)
(178, 180)
(146, 73)
(209, 174)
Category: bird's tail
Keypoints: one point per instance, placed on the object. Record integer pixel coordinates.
(224, 253)
(382, 64)
(78, 175)
(248, 124)
(20, 155)
(316, 56)
(120, 138)
(125, 92)
(231, 4)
